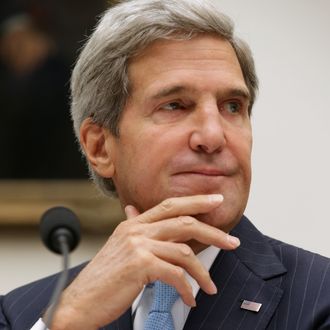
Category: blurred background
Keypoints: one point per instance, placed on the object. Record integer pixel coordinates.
(39, 42)
(41, 166)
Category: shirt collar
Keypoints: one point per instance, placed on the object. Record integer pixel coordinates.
(206, 257)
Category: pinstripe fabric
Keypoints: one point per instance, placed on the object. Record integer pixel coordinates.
(292, 284)
(24, 306)
(306, 298)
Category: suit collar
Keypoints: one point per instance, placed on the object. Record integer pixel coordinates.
(255, 252)
(252, 272)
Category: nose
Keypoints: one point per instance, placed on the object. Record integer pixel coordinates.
(208, 135)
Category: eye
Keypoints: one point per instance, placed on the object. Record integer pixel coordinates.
(173, 106)
(232, 107)
(172, 111)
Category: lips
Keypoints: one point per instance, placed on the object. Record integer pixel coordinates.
(195, 181)
(201, 173)
(205, 170)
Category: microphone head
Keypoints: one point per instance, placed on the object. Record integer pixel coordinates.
(57, 221)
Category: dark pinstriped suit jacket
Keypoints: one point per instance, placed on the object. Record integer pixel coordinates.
(293, 286)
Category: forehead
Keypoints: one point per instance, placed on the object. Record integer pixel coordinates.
(198, 62)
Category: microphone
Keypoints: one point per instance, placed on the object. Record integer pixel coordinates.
(59, 222)
(60, 232)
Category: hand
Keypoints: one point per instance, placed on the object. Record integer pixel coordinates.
(146, 247)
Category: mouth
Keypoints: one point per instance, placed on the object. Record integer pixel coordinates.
(209, 178)
(203, 172)
(194, 178)
(201, 181)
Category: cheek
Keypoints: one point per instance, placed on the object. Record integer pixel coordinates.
(245, 164)
(142, 159)
(241, 146)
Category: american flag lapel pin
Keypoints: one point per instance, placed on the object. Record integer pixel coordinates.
(251, 306)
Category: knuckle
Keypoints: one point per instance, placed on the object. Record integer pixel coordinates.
(133, 242)
(185, 249)
(187, 220)
(179, 273)
(167, 204)
(143, 258)
(130, 229)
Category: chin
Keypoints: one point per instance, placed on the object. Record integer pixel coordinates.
(221, 218)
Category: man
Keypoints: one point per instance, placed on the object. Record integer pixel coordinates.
(161, 101)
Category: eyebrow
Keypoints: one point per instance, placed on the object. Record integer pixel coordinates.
(232, 92)
(239, 92)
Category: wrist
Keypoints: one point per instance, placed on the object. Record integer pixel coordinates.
(67, 317)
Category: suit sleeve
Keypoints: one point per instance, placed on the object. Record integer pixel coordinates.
(3, 321)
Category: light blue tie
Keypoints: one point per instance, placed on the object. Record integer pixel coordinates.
(160, 317)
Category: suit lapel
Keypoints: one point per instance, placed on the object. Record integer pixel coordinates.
(252, 272)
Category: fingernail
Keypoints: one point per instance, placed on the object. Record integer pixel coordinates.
(215, 198)
(193, 303)
(212, 288)
(234, 241)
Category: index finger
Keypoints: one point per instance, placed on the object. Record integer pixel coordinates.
(177, 206)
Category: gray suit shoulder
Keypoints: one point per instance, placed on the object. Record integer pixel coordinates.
(290, 254)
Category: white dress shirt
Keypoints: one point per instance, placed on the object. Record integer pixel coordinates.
(143, 301)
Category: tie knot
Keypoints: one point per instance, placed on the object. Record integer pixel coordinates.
(164, 297)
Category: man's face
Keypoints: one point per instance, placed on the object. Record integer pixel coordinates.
(185, 129)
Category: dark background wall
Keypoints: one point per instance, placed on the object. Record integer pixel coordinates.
(39, 43)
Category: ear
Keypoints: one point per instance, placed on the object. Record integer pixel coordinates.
(96, 142)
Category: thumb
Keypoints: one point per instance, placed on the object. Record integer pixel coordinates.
(131, 211)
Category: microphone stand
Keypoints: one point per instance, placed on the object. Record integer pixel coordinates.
(61, 282)
(60, 232)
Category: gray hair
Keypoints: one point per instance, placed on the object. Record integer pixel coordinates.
(100, 85)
